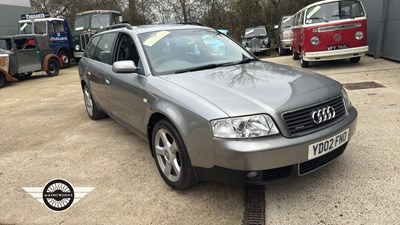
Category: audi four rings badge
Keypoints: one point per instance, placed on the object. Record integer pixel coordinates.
(323, 115)
(58, 194)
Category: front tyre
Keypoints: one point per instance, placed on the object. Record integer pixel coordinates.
(304, 63)
(171, 156)
(2, 80)
(93, 111)
(295, 55)
(355, 59)
(53, 67)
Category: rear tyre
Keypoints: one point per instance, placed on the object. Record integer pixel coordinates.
(53, 67)
(171, 156)
(2, 80)
(355, 59)
(281, 51)
(93, 111)
(65, 59)
(295, 55)
(304, 63)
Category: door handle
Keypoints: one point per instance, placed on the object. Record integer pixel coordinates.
(108, 81)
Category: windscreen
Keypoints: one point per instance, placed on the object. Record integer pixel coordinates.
(333, 11)
(253, 32)
(82, 22)
(178, 51)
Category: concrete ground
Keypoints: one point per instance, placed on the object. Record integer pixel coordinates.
(363, 185)
(46, 134)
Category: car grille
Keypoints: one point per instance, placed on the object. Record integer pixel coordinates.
(255, 43)
(85, 38)
(277, 173)
(300, 122)
(314, 164)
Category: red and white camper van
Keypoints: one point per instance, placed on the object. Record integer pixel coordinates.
(330, 30)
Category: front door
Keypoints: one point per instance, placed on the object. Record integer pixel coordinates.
(28, 55)
(124, 90)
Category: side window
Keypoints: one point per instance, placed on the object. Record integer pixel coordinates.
(126, 49)
(92, 47)
(104, 48)
(301, 18)
(59, 26)
(25, 44)
(40, 27)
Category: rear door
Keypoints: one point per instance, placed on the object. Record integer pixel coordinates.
(98, 56)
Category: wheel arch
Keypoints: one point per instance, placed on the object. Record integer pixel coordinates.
(193, 129)
(7, 76)
(47, 59)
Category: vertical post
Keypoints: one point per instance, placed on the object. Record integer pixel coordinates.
(382, 22)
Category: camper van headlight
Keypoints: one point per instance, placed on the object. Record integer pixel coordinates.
(359, 35)
(315, 40)
(77, 47)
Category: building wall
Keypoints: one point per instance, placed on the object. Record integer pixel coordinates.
(10, 13)
(383, 28)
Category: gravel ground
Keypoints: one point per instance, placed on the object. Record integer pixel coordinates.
(46, 134)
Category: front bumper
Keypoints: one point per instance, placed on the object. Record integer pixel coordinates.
(279, 153)
(78, 54)
(286, 44)
(256, 50)
(335, 54)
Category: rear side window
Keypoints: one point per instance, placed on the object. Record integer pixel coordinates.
(92, 47)
(104, 48)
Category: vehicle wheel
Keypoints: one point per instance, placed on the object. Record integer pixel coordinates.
(93, 111)
(295, 55)
(65, 59)
(24, 76)
(53, 67)
(281, 51)
(304, 63)
(355, 59)
(171, 156)
(2, 80)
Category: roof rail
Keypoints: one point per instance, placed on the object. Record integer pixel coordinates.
(115, 26)
(193, 23)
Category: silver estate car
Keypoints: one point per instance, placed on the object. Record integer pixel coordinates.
(209, 109)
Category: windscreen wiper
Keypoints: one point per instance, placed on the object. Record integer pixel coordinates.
(243, 61)
(204, 67)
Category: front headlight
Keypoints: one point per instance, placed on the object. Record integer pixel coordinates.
(265, 41)
(244, 43)
(346, 99)
(315, 40)
(244, 127)
(359, 35)
(77, 47)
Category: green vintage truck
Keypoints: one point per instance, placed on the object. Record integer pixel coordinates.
(21, 55)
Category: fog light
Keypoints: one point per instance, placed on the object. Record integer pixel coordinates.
(252, 174)
(359, 35)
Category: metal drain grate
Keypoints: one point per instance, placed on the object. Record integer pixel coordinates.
(254, 213)
(362, 85)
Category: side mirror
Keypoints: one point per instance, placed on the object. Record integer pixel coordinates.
(276, 26)
(126, 66)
